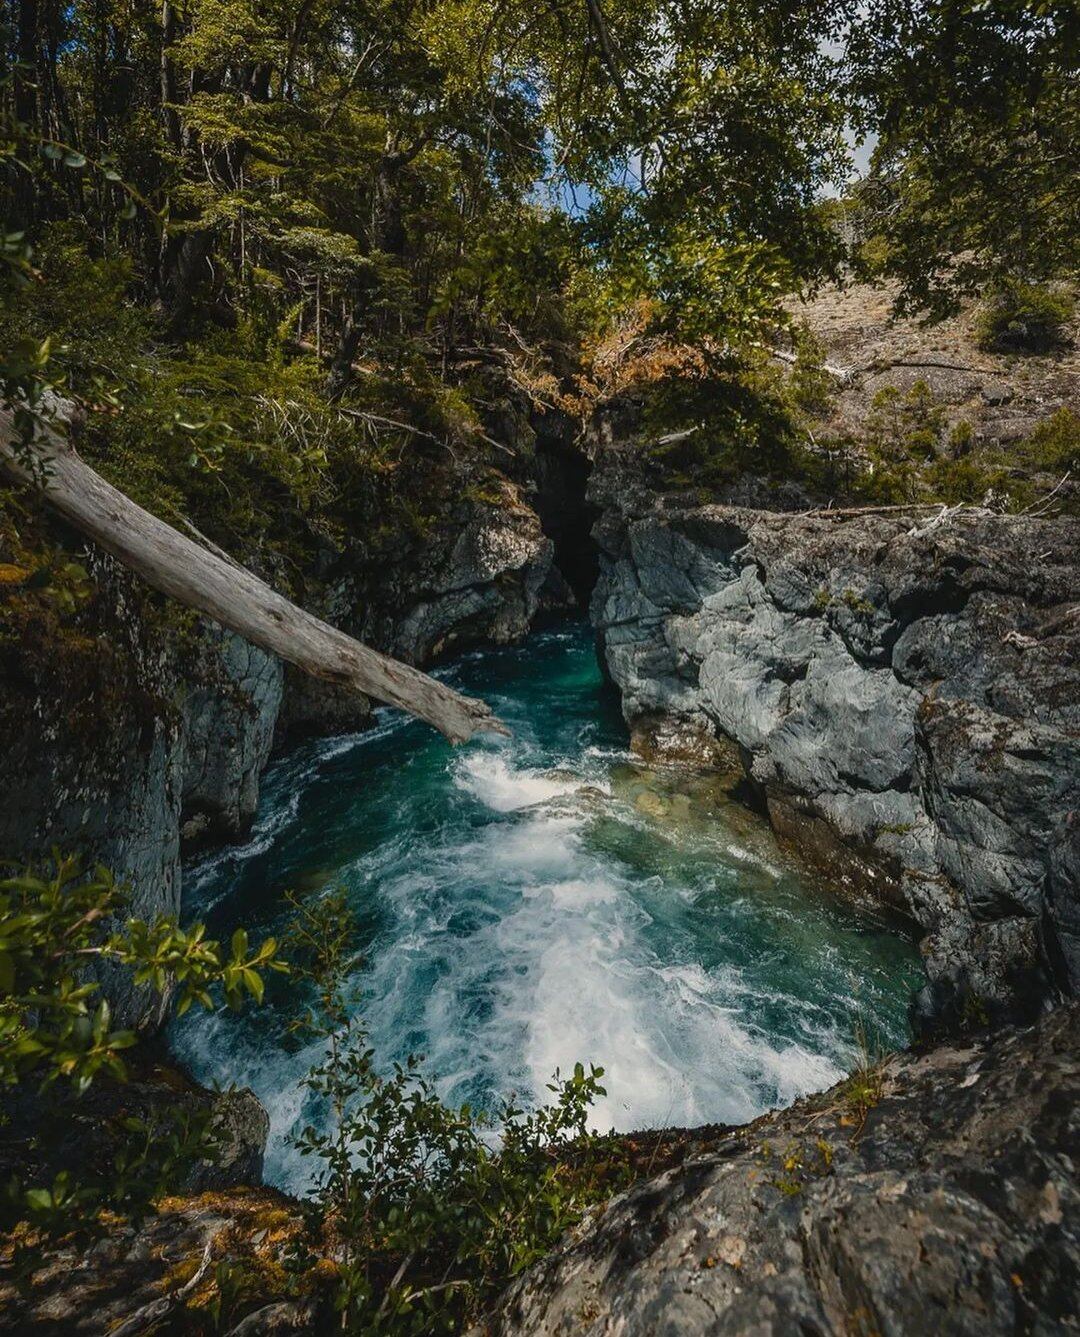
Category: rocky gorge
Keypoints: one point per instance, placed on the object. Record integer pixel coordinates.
(149, 740)
(896, 689)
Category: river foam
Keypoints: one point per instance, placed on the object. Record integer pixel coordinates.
(539, 900)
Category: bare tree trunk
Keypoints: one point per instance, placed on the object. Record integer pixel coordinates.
(388, 236)
(341, 365)
(20, 208)
(168, 74)
(214, 584)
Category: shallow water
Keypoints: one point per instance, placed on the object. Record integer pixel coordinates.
(531, 901)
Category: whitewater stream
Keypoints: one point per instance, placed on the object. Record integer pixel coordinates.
(531, 901)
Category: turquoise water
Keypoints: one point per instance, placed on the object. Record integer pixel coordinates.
(531, 901)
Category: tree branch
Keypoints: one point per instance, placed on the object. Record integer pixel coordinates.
(229, 593)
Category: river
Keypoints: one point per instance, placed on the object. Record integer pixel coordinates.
(527, 902)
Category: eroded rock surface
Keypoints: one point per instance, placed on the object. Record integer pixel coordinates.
(159, 1275)
(952, 1207)
(904, 691)
(234, 695)
(476, 579)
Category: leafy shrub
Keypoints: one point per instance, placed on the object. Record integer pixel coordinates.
(1054, 444)
(53, 1023)
(437, 1207)
(1025, 318)
(56, 1028)
(901, 425)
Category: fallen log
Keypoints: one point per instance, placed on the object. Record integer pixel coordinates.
(830, 368)
(212, 583)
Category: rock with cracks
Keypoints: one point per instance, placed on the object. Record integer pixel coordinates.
(903, 691)
(950, 1204)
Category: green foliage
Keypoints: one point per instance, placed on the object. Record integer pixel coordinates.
(54, 1024)
(907, 424)
(57, 1033)
(1025, 318)
(151, 1156)
(975, 108)
(1053, 445)
(436, 1207)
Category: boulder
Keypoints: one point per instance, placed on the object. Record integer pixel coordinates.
(479, 582)
(934, 1193)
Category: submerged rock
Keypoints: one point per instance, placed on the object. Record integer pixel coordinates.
(935, 1194)
(903, 691)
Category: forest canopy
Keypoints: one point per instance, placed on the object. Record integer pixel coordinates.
(289, 243)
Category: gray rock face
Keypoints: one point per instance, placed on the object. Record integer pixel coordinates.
(93, 760)
(47, 1133)
(101, 759)
(952, 1207)
(905, 695)
(480, 582)
(230, 712)
(314, 709)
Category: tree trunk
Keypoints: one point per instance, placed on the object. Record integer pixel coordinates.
(183, 267)
(387, 236)
(214, 584)
(21, 200)
(341, 365)
(168, 74)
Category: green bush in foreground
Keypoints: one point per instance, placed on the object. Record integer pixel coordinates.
(53, 1022)
(436, 1207)
(428, 1209)
(56, 1028)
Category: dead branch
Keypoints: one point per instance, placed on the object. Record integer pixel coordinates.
(200, 578)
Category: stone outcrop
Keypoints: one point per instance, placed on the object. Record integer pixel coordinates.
(234, 695)
(904, 692)
(120, 742)
(937, 1195)
(311, 708)
(932, 1192)
(160, 1275)
(54, 1131)
(475, 579)
(92, 746)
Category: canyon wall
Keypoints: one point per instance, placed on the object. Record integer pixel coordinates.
(948, 1203)
(901, 691)
(133, 734)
